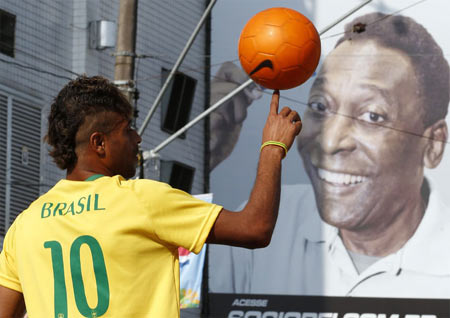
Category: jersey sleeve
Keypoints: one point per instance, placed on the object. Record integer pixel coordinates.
(178, 218)
(8, 268)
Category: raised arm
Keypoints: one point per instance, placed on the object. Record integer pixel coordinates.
(253, 226)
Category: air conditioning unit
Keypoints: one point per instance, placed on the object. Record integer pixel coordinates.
(102, 34)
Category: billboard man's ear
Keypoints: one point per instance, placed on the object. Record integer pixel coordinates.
(434, 150)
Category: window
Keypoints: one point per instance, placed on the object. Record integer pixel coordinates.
(177, 174)
(177, 102)
(7, 31)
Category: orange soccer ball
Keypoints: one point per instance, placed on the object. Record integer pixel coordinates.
(279, 48)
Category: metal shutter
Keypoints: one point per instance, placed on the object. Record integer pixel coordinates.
(21, 130)
(25, 156)
(3, 125)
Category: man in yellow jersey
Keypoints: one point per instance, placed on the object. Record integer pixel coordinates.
(99, 245)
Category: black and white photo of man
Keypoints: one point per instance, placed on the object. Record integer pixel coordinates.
(370, 224)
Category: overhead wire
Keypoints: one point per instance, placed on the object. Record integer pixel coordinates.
(357, 119)
(192, 68)
(376, 21)
(33, 68)
(196, 69)
(157, 57)
(62, 68)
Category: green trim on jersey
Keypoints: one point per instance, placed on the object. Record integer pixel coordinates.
(94, 177)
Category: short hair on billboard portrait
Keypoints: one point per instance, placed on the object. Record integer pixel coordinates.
(406, 35)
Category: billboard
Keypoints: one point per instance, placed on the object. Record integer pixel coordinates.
(364, 215)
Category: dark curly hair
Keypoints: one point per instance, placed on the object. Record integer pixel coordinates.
(82, 97)
(406, 35)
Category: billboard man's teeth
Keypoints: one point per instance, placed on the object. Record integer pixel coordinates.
(339, 178)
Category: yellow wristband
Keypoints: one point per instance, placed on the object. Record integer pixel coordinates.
(275, 143)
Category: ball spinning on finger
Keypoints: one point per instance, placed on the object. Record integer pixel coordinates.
(279, 48)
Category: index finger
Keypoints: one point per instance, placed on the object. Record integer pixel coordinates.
(274, 102)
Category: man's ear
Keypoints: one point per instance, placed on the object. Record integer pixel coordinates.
(97, 143)
(437, 138)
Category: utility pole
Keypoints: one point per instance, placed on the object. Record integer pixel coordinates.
(126, 48)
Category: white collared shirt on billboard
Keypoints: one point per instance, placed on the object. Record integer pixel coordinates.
(307, 257)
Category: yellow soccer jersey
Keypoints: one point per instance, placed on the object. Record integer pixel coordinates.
(104, 248)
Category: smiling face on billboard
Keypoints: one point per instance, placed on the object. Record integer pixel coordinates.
(360, 143)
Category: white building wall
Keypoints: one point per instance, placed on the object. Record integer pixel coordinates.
(164, 28)
(41, 65)
(52, 46)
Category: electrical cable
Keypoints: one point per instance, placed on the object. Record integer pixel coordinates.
(196, 69)
(47, 62)
(356, 118)
(29, 67)
(376, 21)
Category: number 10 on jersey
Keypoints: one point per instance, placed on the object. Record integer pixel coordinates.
(101, 277)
